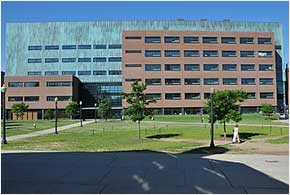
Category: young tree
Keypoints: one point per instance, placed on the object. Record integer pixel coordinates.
(225, 108)
(19, 109)
(104, 108)
(267, 109)
(48, 114)
(72, 109)
(138, 102)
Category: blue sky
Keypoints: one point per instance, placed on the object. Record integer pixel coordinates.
(266, 11)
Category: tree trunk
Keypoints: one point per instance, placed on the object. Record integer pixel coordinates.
(139, 129)
(225, 130)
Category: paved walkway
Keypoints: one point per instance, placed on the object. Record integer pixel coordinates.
(47, 131)
(142, 173)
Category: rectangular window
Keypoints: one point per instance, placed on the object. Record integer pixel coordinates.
(264, 40)
(133, 51)
(35, 47)
(102, 46)
(230, 81)
(31, 98)
(132, 79)
(66, 60)
(68, 47)
(15, 84)
(229, 53)
(247, 54)
(172, 53)
(191, 40)
(59, 98)
(191, 53)
(99, 72)
(133, 37)
(85, 72)
(172, 67)
(51, 47)
(31, 84)
(99, 59)
(115, 72)
(229, 40)
(211, 81)
(266, 81)
(171, 40)
(84, 46)
(209, 39)
(172, 82)
(152, 53)
(229, 67)
(133, 65)
(248, 67)
(50, 73)
(210, 53)
(34, 60)
(206, 95)
(115, 59)
(266, 95)
(172, 96)
(192, 96)
(51, 60)
(68, 72)
(152, 67)
(34, 73)
(246, 40)
(115, 46)
(265, 67)
(248, 81)
(265, 54)
(153, 96)
(84, 59)
(191, 67)
(153, 81)
(152, 39)
(279, 47)
(59, 84)
(210, 67)
(251, 95)
(15, 99)
(192, 81)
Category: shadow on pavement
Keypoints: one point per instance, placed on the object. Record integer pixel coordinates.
(131, 172)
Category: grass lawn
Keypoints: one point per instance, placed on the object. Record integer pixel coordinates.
(283, 140)
(17, 127)
(123, 136)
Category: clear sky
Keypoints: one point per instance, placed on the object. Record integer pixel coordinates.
(265, 11)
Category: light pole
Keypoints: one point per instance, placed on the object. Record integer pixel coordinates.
(95, 112)
(211, 117)
(81, 113)
(4, 141)
(55, 128)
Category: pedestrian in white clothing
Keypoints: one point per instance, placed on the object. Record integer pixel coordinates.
(236, 134)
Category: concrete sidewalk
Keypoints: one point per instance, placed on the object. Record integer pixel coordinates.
(47, 131)
(142, 172)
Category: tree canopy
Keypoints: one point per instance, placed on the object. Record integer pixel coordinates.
(267, 109)
(19, 109)
(72, 109)
(104, 108)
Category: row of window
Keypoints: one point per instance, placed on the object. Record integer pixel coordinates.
(69, 60)
(72, 47)
(197, 96)
(36, 84)
(36, 98)
(206, 81)
(206, 67)
(196, 39)
(73, 73)
(206, 53)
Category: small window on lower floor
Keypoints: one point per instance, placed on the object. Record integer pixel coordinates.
(34, 73)
(59, 98)
(132, 79)
(15, 99)
(31, 98)
(153, 96)
(192, 96)
(266, 95)
(100, 72)
(172, 96)
(115, 72)
(84, 73)
(48, 73)
(251, 95)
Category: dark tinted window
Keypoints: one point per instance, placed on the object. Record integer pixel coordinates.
(191, 53)
(65, 60)
(84, 72)
(172, 81)
(133, 37)
(265, 54)
(172, 67)
(84, 59)
(266, 95)
(35, 47)
(84, 46)
(153, 81)
(15, 99)
(228, 40)
(192, 81)
(190, 40)
(31, 84)
(246, 40)
(115, 72)
(59, 98)
(115, 46)
(152, 53)
(152, 40)
(51, 73)
(103, 46)
(171, 39)
(153, 96)
(152, 67)
(172, 53)
(211, 67)
(248, 67)
(133, 65)
(191, 67)
(31, 98)
(115, 59)
(99, 72)
(172, 96)
(264, 40)
(192, 96)
(266, 81)
(229, 67)
(230, 81)
(34, 73)
(68, 72)
(51, 47)
(15, 84)
(34, 60)
(67, 47)
(209, 40)
(99, 59)
(247, 54)
(59, 84)
(251, 95)
(133, 51)
(132, 79)
(51, 60)
(229, 53)
(265, 67)
(210, 53)
(248, 81)
(211, 81)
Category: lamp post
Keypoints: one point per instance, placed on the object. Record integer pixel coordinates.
(95, 112)
(55, 128)
(81, 113)
(4, 141)
(211, 117)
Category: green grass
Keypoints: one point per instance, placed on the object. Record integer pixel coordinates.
(282, 140)
(123, 136)
(17, 127)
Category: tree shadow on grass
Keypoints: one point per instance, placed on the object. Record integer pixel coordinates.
(246, 136)
(159, 136)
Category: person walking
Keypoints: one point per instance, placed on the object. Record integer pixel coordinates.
(236, 134)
